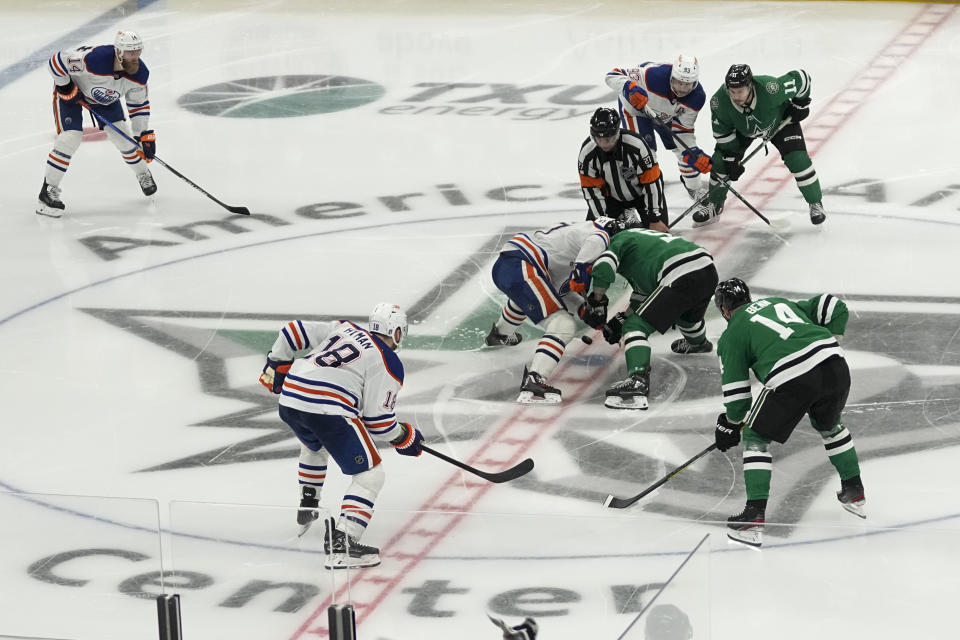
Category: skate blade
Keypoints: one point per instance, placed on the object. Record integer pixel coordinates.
(343, 561)
(752, 538)
(706, 223)
(527, 397)
(637, 404)
(50, 212)
(856, 508)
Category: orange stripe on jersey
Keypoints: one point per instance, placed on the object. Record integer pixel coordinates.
(60, 160)
(631, 123)
(535, 251)
(296, 335)
(650, 175)
(549, 303)
(56, 65)
(357, 510)
(138, 109)
(56, 112)
(368, 443)
(319, 476)
(317, 392)
(587, 181)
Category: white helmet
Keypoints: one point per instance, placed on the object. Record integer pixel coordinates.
(386, 318)
(686, 69)
(127, 41)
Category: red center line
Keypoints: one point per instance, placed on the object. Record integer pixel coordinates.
(428, 527)
(819, 129)
(519, 431)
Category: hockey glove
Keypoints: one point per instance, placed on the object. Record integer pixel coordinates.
(613, 329)
(594, 311)
(580, 277)
(273, 374)
(635, 95)
(727, 434)
(148, 144)
(695, 158)
(408, 443)
(734, 168)
(69, 92)
(799, 109)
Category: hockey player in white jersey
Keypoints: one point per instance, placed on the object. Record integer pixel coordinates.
(338, 399)
(99, 76)
(666, 98)
(544, 273)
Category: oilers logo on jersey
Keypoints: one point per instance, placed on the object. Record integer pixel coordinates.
(104, 95)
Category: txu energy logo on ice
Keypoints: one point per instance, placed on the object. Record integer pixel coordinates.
(300, 95)
(281, 96)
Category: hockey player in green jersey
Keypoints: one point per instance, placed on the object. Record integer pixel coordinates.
(793, 349)
(673, 280)
(749, 107)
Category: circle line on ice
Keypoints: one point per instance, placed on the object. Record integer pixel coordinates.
(287, 96)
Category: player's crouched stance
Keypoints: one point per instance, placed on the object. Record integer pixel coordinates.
(534, 271)
(342, 392)
(98, 77)
(792, 348)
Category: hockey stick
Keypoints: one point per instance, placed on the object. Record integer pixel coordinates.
(622, 503)
(507, 475)
(240, 210)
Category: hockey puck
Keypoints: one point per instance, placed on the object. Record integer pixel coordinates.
(587, 339)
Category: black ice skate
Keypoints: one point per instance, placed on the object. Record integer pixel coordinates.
(308, 510)
(684, 346)
(50, 204)
(630, 393)
(747, 526)
(496, 339)
(707, 213)
(535, 390)
(344, 552)
(147, 185)
(817, 214)
(851, 496)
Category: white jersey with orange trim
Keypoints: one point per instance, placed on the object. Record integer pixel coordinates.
(556, 250)
(348, 371)
(669, 109)
(92, 70)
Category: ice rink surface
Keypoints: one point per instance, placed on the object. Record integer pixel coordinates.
(386, 149)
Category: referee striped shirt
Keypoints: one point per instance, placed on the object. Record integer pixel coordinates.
(602, 177)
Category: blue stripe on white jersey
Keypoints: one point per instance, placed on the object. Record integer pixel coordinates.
(603, 234)
(380, 425)
(531, 250)
(317, 392)
(295, 335)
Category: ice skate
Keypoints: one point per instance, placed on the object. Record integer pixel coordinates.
(50, 204)
(851, 496)
(705, 214)
(307, 513)
(147, 185)
(747, 526)
(495, 338)
(344, 552)
(630, 393)
(684, 346)
(817, 214)
(535, 390)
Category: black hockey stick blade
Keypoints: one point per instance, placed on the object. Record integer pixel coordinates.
(514, 472)
(622, 503)
(239, 210)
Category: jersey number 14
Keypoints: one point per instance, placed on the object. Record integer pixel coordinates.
(784, 313)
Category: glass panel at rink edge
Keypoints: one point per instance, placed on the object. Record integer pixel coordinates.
(78, 567)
